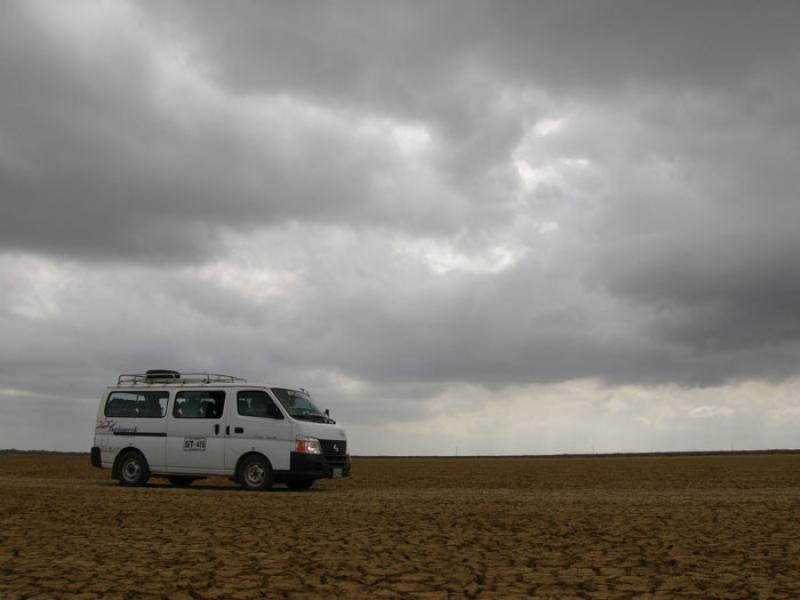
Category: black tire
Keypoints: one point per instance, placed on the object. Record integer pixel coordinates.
(255, 474)
(133, 469)
(299, 484)
(180, 481)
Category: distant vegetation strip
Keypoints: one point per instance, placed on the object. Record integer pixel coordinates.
(503, 456)
(585, 455)
(49, 452)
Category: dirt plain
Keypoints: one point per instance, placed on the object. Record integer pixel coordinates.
(707, 526)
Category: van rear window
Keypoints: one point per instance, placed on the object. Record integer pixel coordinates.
(142, 405)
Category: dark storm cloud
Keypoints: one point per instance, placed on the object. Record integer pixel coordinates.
(714, 290)
(408, 55)
(407, 196)
(93, 165)
(106, 154)
(447, 64)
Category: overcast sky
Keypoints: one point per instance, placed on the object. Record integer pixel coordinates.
(485, 228)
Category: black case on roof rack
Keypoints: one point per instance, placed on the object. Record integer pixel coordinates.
(162, 374)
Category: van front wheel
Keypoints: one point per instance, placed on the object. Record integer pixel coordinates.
(133, 470)
(255, 474)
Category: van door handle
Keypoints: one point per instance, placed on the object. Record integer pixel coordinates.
(227, 429)
(216, 429)
(238, 429)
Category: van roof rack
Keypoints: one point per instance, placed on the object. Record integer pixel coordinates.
(167, 376)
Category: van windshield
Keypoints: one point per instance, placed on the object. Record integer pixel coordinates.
(299, 405)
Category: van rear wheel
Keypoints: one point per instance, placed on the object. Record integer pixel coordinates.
(255, 474)
(133, 469)
(179, 481)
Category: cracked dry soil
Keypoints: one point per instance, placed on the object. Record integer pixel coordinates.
(722, 526)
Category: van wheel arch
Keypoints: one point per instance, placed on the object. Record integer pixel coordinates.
(118, 460)
(244, 460)
(132, 467)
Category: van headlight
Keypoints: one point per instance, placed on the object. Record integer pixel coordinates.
(307, 445)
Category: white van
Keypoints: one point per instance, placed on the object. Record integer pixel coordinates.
(186, 427)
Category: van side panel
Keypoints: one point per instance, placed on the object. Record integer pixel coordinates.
(196, 431)
(257, 423)
(151, 438)
(133, 418)
(265, 436)
(104, 438)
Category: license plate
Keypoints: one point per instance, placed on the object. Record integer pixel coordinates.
(337, 473)
(194, 444)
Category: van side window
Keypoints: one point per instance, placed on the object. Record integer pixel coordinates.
(257, 403)
(205, 404)
(141, 405)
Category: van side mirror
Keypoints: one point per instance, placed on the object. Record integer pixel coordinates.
(327, 412)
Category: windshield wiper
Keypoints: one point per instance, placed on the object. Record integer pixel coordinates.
(310, 416)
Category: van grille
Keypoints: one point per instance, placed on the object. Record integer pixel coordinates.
(335, 452)
(333, 448)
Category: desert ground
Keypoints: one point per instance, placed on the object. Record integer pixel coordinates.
(703, 526)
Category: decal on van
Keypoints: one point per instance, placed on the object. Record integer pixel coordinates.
(112, 426)
(194, 444)
(109, 447)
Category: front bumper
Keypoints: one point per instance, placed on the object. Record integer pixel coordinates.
(318, 466)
